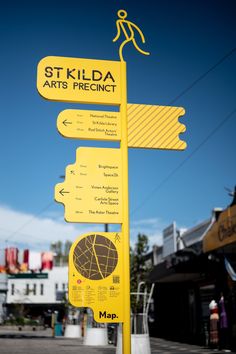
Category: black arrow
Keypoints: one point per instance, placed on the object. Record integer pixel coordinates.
(66, 122)
(62, 192)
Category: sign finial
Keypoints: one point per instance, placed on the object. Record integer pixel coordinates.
(127, 27)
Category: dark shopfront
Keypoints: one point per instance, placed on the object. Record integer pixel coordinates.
(186, 282)
(220, 243)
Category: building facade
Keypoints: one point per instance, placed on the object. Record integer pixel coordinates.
(41, 293)
(3, 295)
(189, 276)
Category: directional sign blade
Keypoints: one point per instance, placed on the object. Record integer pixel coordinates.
(96, 270)
(149, 126)
(155, 127)
(91, 125)
(79, 80)
(92, 188)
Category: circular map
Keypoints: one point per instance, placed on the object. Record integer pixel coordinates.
(95, 257)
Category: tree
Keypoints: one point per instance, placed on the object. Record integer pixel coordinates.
(56, 247)
(67, 247)
(138, 268)
(61, 251)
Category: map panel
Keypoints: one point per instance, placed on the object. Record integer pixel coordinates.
(96, 275)
(95, 257)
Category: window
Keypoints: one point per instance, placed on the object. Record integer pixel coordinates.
(63, 286)
(34, 289)
(41, 289)
(27, 289)
(56, 287)
(12, 289)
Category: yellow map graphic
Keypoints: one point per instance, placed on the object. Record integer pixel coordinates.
(95, 257)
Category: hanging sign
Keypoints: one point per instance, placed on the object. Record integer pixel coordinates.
(92, 188)
(96, 275)
(91, 125)
(79, 80)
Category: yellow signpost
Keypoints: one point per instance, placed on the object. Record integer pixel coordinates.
(79, 80)
(126, 343)
(96, 275)
(92, 191)
(90, 125)
(155, 127)
(149, 126)
(95, 189)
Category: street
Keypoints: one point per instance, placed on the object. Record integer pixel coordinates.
(38, 342)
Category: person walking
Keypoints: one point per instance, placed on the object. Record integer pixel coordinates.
(223, 340)
(214, 325)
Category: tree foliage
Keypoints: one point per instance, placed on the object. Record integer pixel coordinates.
(138, 266)
(61, 251)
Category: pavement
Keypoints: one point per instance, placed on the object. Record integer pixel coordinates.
(42, 342)
(163, 346)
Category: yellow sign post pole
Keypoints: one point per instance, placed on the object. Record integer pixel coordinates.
(125, 224)
(91, 194)
(129, 38)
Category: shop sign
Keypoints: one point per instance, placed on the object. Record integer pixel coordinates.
(222, 232)
(28, 276)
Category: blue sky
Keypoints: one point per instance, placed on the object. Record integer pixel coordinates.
(192, 64)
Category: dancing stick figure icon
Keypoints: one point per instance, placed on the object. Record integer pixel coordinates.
(127, 28)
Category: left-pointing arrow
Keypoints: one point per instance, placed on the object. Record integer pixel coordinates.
(62, 192)
(66, 122)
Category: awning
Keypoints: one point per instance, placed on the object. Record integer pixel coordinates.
(222, 232)
(230, 270)
(184, 265)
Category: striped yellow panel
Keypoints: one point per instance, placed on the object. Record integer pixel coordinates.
(155, 127)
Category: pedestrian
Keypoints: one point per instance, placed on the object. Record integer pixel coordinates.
(214, 325)
(223, 325)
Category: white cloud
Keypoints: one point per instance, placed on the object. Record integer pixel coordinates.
(151, 227)
(37, 232)
(150, 221)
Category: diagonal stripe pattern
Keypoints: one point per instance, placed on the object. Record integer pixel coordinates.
(155, 127)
